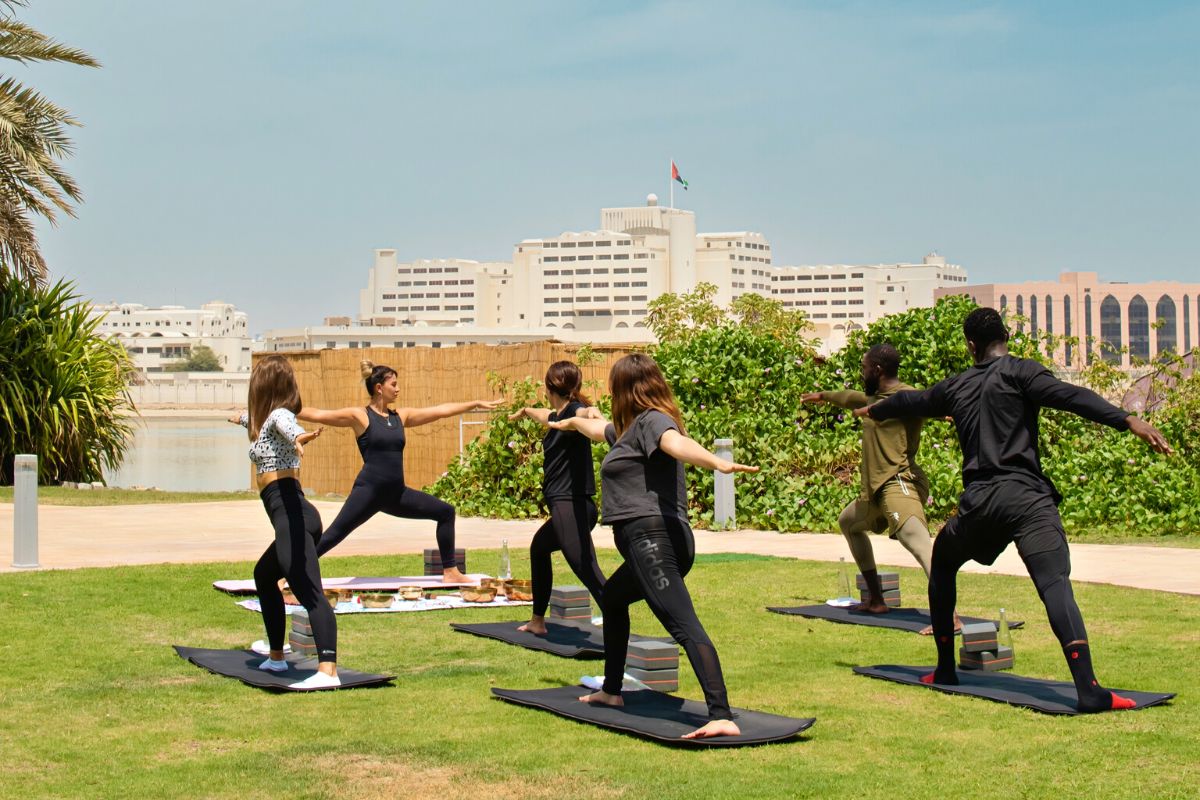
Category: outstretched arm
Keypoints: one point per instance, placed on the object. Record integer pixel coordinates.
(541, 415)
(412, 417)
(846, 399)
(591, 428)
(689, 451)
(353, 417)
(930, 403)
(241, 418)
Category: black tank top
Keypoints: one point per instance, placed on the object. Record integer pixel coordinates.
(567, 468)
(382, 446)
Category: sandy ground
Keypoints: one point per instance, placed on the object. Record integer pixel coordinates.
(71, 537)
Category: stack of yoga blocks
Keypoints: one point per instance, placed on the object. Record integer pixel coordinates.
(888, 581)
(655, 664)
(570, 604)
(433, 561)
(981, 650)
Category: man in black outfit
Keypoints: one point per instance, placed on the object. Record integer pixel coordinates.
(1006, 496)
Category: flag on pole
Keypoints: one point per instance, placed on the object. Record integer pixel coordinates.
(675, 176)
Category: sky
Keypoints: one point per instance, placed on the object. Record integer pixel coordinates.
(257, 153)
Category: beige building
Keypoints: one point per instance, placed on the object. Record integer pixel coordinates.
(157, 336)
(1119, 322)
(595, 286)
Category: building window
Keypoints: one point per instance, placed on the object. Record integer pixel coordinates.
(1139, 328)
(1067, 325)
(1087, 327)
(1033, 315)
(1049, 315)
(1187, 325)
(1110, 330)
(1164, 317)
(1003, 306)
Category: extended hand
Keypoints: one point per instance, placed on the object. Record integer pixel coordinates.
(567, 424)
(520, 412)
(1149, 434)
(865, 411)
(814, 397)
(488, 405)
(591, 412)
(728, 467)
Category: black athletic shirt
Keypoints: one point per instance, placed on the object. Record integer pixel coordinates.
(637, 478)
(382, 446)
(995, 408)
(567, 466)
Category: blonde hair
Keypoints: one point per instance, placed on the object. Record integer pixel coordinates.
(272, 386)
(637, 385)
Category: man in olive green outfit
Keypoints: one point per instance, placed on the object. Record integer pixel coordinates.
(894, 489)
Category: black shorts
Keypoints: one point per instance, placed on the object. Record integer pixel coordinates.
(993, 514)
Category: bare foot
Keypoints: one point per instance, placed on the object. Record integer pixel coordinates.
(536, 626)
(868, 608)
(452, 575)
(928, 629)
(718, 727)
(604, 699)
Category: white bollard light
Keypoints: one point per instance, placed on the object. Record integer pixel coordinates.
(25, 515)
(724, 508)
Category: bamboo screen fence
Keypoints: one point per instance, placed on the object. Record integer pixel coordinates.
(427, 376)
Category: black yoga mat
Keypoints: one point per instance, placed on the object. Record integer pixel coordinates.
(569, 641)
(901, 619)
(243, 665)
(654, 715)
(1049, 697)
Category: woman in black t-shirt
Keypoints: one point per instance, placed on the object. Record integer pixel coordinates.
(568, 485)
(645, 500)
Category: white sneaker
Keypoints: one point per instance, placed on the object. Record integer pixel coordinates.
(271, 665)
(263, 649)
(318, 680)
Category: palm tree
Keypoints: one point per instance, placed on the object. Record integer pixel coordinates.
(33, 140)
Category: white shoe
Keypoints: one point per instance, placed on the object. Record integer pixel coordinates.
(271, 665)
(318, 680)
(263, 649)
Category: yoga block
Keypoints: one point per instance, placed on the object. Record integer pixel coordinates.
(986, 660)
(661, 680)
(572, 605)
(571, 614)
(888, 580)
(302, 639)
(570, 596)
(303, 630)
(665, 660)
(978, 637)
(651, 650)
(433, 561)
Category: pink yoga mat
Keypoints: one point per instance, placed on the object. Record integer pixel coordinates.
(363, 584)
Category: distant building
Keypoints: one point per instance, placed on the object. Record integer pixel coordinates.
(156, 337)
(1116, 321)
(595, 286)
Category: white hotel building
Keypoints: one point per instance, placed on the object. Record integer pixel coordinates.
(155, 337)
(594, 286)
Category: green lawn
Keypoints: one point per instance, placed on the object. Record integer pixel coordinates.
(60, 496)
(96, 704)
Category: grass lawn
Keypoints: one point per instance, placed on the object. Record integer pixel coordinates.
(60, 496)
(96, 704)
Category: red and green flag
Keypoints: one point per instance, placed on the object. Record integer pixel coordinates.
(675, 176)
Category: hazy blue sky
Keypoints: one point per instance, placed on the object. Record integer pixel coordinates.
(257, 152)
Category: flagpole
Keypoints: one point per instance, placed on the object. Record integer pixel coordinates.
(671, 178)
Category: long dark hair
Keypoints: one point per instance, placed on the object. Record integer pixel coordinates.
(272, 386)
(637, 384)
(565, 380)
(374, 375)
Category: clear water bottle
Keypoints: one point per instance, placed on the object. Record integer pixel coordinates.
(504, 571)
(1003, 635)
(844, 579)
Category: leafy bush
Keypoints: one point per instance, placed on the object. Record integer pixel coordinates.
(62, 386)
(740, 373)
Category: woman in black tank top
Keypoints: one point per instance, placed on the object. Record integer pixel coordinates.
(568, 485)
(380, 485)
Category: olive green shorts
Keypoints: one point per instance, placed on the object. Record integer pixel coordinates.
(893, 504)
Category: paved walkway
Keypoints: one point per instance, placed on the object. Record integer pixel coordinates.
(105, 536)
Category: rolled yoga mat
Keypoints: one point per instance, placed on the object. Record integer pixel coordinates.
(901, 619)
(1049, 697)
(243, 665)
(658, 716)
(576, 640)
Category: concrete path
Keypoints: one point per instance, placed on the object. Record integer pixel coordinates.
(105, 536)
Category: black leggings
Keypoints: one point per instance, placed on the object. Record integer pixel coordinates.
(569, 529)
(372, 494)
(658, 552)
(293, 555)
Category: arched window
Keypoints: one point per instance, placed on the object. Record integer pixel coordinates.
(1087, 326)
(1110, 330)
(1139, 328)
(1164, 318)
(1033, 322)
(1187, 325)
(1049, 315)
(1003, 306)
(1067, 326)
(1020, 311)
